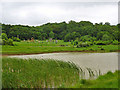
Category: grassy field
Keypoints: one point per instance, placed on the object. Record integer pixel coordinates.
(48, 47)
(32, 73)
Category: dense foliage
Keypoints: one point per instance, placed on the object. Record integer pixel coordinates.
(83, 30)
(5, 40)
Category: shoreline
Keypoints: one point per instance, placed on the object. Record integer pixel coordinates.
(59, 52)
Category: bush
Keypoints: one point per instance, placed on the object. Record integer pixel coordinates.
(7, 42)
(84, 44)
(115, 42)
(10, 42)
(16, 39)
(103, 42)
(87, 38)
(75, 42)
(4, 42)
(4, 36)
(106, 37)
(72, 42)
(83, 81)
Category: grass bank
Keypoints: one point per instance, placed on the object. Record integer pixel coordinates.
(109, 80)
(50, 47)
(33, 73)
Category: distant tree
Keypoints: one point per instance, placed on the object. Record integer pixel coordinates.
(63, 31)
(107, 23)
(40, 37)
(106, 37)
(73, 36)
(100, 35)
(51, 34)
(44, 35)
(85, 23)
(87, 38)
(101, 23)
(67, 37)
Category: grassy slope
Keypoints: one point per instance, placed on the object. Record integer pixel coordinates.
(30, 48)
(49, 73)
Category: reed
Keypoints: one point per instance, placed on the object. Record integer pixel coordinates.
(34, 73)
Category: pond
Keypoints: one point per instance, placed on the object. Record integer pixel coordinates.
(96, 61)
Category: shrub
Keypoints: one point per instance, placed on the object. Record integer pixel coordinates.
(103, 42)
(84, 44)
(107, 42)
(7, 42)
(106, 37)
(109, 73)
(75, 42)
(4, 36)
(115, 42)
(10, 42)
(102, 48)
(71, 41)
(83, 81)
(16, 39)
(87, 38)
(4, 42)
(99, 43)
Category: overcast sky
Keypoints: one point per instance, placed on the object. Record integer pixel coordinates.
(38, 13)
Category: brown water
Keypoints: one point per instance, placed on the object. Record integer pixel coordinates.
(96, 61)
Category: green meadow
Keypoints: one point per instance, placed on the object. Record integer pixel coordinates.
(25, 47)
(33, 73)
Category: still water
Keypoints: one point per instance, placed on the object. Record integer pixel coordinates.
(96, 61)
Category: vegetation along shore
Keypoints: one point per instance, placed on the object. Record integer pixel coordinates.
(34, 73)
(59, 37)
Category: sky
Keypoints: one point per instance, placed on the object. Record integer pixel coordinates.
(40, 12)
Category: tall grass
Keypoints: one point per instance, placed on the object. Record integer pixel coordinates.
(34, 73)
(107, 81)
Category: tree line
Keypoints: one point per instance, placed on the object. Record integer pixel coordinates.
(83, 30)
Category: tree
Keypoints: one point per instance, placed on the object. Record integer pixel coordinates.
(10, 42)
(44, 35)
(4, 36)
(63, 31)
(40, 37)
(87, 38)
(100, 35)
(67, 37)
(106, 37)
(51, 34)
(107, 23)
(73, 36)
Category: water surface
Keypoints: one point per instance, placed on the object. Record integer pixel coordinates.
(97, 61)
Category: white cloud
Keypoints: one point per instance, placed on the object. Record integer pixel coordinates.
(40, 13)
(60, 0)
